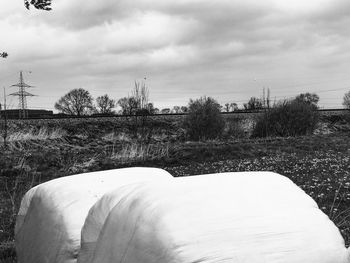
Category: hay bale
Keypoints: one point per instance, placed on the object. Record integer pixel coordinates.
(51, 215)
(252, 217)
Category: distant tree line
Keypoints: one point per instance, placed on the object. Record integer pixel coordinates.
(346, 100)
(80, 102)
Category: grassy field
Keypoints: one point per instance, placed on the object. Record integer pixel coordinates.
(319, 164)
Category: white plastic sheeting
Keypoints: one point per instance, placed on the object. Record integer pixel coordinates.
(253, 217)
(96, 218)
(48, 226)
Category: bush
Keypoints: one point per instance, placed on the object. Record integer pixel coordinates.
(346, 100)
(288, 118)
(234, 129)
(204, 120)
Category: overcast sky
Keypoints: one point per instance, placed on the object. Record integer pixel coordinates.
(227, 49)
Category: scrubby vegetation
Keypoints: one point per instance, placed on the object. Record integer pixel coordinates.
(204, 120)
(287, 118)
(40, 150)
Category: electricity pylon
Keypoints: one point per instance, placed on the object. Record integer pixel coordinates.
(22, 95)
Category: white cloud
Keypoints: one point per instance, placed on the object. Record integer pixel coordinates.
(186, 47)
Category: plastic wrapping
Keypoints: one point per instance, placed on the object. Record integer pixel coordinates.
(51, 216)
(252, 217)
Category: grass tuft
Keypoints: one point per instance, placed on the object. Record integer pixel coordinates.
(120, 137)
(21, 140)
(42, 134)
(135, 152)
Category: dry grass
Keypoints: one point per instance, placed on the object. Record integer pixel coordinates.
(7, 252)
(120, 137)
(82, 167)
(42, 134)
(140, 152)
(21, 140)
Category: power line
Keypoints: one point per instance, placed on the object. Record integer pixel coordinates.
(22, 96)
(290, 96)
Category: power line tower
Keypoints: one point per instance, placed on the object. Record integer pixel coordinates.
(22, 95)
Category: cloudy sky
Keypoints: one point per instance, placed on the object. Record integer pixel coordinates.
(227, 49)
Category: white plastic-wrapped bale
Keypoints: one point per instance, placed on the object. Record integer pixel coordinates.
(253, 217)
(96, 219)
(51, 216)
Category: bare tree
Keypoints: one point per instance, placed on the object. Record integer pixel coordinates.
(176, 109)
(140, 94)
(139, 108)
(233, 106)
(184, 109)
(76, 102)
(38, 4)
(227, 107)
(309, 98)
(253, 104)
(165, 111)
(125, 106)
(105, 105)
(137, 103)
(346, 100)
(151, 109)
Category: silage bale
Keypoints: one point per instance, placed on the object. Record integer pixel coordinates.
(51, 215)
(252, 217)
(96, 219)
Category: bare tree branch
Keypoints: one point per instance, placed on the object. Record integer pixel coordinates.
(38, 4)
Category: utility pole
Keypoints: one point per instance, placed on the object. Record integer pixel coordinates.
(22, 95)
(264, 99)
(4, 135)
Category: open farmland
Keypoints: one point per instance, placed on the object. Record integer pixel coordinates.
(237, 111)
(47, 149)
